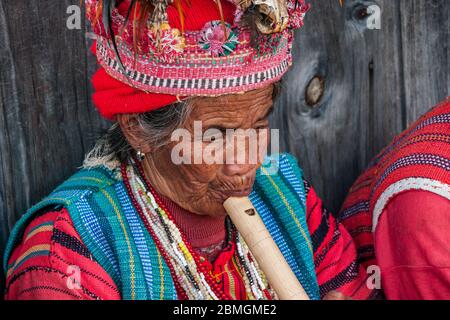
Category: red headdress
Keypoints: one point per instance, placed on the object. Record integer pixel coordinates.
(153, 52)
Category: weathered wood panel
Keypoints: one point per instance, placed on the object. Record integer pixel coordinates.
(375, 83)
(47, 122)
(425, 54)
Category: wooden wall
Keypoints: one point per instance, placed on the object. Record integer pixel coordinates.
(47, 121)
(375, 82)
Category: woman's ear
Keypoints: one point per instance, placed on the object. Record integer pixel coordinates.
(132, 130)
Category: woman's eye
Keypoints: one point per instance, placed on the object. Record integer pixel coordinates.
(262, 126)
(214, 134)
(212, 138)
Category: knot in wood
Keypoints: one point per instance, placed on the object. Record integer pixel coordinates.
(314, 90)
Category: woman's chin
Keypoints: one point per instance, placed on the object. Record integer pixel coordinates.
(217, 210)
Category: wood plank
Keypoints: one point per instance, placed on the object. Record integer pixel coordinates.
(425, 28)
(367, 92)
(47, 119)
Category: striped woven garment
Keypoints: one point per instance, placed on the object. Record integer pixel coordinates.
(121, 260)
(418, 159)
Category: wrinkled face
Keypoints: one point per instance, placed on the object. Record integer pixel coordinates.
(218, 163)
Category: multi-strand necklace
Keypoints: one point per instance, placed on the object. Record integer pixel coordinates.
(191, 278)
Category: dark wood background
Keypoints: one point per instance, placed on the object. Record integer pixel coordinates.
(374, 82)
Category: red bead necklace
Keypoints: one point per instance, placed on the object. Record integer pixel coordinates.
(200, 267)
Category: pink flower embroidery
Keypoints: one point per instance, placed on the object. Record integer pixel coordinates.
(165, 43)
(217, 40)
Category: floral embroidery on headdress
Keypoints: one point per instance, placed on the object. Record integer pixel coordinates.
(166, 43)
(218, 38)
(268, 43)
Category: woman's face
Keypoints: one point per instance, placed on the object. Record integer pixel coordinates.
(214, 168)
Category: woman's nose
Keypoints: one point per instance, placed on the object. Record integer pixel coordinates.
(242, 156)
(238, 169)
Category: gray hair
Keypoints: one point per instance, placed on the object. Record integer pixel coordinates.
(112, 148)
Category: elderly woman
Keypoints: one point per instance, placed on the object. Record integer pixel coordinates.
(144, 217)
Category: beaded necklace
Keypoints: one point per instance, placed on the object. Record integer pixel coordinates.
(192, 280)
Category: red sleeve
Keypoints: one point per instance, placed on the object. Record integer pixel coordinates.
(335, 255)
(52, 263)
(412, 242)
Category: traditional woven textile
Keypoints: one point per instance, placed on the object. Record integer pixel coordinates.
(44, 265)
(188, 48)
(214, 60)
(111, 229)
(418, 159)
(285, 195)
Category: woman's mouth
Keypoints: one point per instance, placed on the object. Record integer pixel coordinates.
(238, 192)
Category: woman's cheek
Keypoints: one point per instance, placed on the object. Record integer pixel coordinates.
(199, 176)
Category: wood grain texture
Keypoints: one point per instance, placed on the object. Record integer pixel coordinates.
(47, 121)
(375, 82)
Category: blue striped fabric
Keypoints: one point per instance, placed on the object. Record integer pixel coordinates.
(275, 231)
(283, 192)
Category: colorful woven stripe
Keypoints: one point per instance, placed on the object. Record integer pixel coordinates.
(114, 234)
(39, 250)
(285, 195)
(354, 209)
(44, 274)
(413, 160)
(419, 125)
(43, 227)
